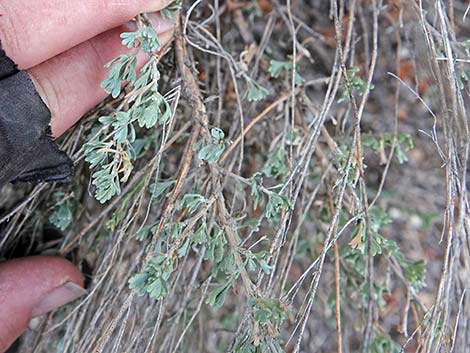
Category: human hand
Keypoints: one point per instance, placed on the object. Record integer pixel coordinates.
(63, 45)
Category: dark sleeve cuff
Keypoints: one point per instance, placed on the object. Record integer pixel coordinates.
(27, 150)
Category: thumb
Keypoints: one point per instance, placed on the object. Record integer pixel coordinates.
(33, 286)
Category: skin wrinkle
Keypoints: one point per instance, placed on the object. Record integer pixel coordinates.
(52, 101)
(97, 53)
(49, 95)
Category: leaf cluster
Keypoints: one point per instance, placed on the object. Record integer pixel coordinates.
(62, 215)
(113, 147)
(276, 68)
(212, 152)
(357, 84)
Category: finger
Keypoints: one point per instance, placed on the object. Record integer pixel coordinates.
(31, 287)
(70, 83)
(34, 31)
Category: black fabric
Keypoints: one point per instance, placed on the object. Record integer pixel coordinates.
(27, 151)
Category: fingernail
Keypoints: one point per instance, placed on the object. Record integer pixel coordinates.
(159, 23)
(34, 323)
(156, 5)
(58, 297)
(162, 24)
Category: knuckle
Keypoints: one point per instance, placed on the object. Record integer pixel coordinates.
(95, 51)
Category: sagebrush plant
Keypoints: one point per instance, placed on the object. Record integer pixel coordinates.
(176, 240)
(113, 148)
(259, 189)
